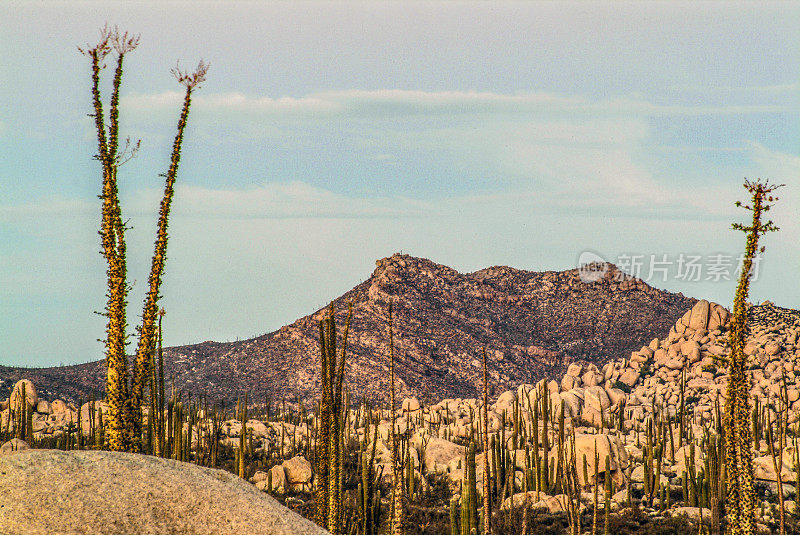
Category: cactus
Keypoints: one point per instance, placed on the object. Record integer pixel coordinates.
(80, 427)
(469, 492)
(473, 489)
(545, 482)
(21, 414)
(777, 460)
(370, 503)
(607, 504)
(648, 464)
(331, 421)
(398, 516)
(124, 400)
(682, 410)
(157, 391)
(560, 474)
(572, 487)
(464, 513)
(454, 514)
(112, 233)
(487, 511)
(101, 431)
(596, 482)
(408, 465)
(739, 460)
(241, 452)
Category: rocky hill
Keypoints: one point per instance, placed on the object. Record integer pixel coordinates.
(532, 324)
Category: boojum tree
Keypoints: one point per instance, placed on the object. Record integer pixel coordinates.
(741, 503)
(124, 390)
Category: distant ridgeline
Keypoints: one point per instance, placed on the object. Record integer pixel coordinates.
(533, 324)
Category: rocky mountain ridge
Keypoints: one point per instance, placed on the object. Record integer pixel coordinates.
(533, 324)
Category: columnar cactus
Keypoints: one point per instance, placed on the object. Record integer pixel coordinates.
(331, 425)
(398, 516)
(487, 511)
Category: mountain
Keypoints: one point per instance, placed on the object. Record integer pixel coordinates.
(532, 324)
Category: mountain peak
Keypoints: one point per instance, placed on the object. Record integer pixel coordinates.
(532, 324)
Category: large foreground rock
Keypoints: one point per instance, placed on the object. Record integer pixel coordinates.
(100, 492)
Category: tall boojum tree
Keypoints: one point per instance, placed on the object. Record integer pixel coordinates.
(738, 437)
(124, 390)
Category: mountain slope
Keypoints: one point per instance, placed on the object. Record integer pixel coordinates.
(532, 324)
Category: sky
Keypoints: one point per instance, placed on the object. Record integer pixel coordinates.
(331, 134)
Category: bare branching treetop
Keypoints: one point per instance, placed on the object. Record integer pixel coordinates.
(193, 80)
(121, 43)
(763, 199)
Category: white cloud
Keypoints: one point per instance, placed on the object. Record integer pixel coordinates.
(391, 102)
(272, 201)
(776, 166)
(573, 150)
(290, 200)
(772, 89)
(236, 102)
(569, 152)
(55, 207)
(700, 148)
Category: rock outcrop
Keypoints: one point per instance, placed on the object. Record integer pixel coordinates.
(78, 492)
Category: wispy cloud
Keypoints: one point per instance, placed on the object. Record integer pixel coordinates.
(598, 176)
(271, 201)
(405, 102)
(292, 200)
(772, 89)
(778, 166)
(54, 207)
(700, 148)
(236, 102)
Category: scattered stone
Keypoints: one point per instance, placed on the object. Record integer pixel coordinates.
(298, 473)
(410, 405)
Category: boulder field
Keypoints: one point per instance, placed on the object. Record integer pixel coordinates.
(675, 384)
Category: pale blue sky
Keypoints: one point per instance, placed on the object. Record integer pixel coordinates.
(331, 134)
